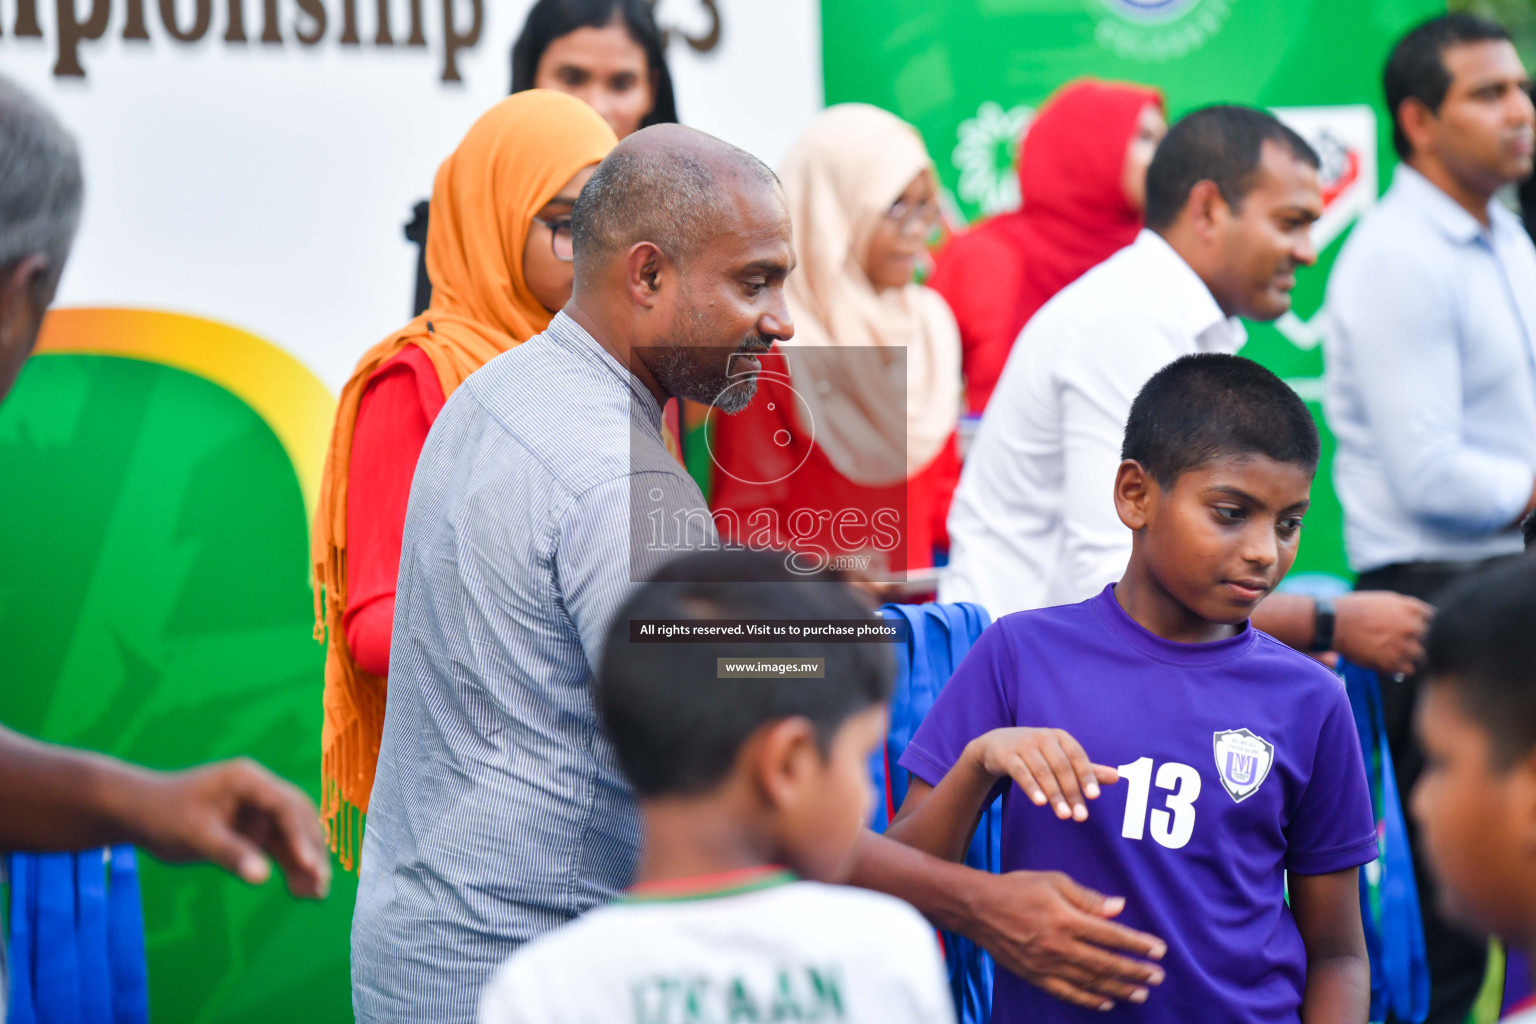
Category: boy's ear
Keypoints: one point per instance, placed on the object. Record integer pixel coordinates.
(785, 757)
(1135, 492)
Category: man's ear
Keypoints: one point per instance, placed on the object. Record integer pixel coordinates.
(646, 268)
(1417, 123)
(1135, 493)
(26, 290)
(1207, 209)
(784, 757)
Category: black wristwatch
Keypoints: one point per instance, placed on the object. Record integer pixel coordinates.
(1322, 625)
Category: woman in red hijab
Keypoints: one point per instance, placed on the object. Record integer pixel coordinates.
(1082, 174)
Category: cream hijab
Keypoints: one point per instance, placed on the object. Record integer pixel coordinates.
(876, 424)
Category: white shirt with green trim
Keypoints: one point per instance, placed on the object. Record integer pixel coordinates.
(749, 946)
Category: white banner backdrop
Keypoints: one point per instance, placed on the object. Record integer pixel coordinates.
(247, 162)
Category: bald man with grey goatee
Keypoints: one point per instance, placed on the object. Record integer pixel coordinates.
(544, 494)
(498, 811)
(52, 798)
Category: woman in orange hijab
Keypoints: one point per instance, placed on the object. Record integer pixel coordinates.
(499, 255)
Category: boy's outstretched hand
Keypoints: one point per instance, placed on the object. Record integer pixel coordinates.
(1048, 765)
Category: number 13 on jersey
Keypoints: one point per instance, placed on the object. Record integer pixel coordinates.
(1172, 824)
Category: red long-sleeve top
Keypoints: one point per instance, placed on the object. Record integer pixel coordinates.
(765, 463)
(399, 404)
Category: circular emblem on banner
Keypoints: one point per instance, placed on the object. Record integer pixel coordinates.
(1158, 30)
(1150, 10)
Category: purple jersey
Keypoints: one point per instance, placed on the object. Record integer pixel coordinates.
(1238, 761)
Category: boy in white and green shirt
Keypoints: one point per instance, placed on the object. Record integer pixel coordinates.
(753, 793)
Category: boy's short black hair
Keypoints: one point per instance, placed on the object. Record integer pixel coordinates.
(1223, 144)
(1416, 68)
(677, 726)
(1482, 644)
(1202, 407)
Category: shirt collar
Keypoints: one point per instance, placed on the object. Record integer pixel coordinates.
(1444, 212)
(566, 331)
(1191, 301)
(705, 887)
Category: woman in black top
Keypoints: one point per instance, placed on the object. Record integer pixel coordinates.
(607, 53)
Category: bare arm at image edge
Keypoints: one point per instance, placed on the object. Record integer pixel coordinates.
(235, 814)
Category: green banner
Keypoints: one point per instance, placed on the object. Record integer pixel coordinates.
(155, 605)
(969, 76)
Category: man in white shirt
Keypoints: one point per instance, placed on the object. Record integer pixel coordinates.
(1431, 353)
(1231, 197)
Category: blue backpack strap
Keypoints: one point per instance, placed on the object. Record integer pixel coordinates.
(939, 637)
(966, 623)
(880, 762)
(91, 937)
(56, 964)
(1399, 963)
(125, 939)
(917, 698)
(76, 943)
(23, 874)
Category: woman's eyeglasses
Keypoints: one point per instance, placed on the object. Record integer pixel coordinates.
(909, 216)
(561, 241)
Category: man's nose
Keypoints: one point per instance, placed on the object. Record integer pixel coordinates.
(1305, 250)
(777, 322)
(1521, 108)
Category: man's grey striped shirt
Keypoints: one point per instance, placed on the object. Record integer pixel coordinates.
(498, 811)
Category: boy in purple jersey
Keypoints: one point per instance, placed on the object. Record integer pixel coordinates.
(1238, 763)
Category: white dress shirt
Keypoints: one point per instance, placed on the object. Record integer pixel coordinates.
(1431, 383)
(1033, 522)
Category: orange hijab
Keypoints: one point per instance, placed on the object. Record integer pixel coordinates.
(512, 162)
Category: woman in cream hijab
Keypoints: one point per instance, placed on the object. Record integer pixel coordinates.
(849, 446)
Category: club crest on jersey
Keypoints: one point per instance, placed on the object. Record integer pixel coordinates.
(1243, 761)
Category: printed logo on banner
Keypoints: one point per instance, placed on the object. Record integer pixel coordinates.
(986, 153)
(1345, 139)
(1243, 761)
(1158, 30)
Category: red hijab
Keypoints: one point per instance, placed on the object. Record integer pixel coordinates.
(1075, 216)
